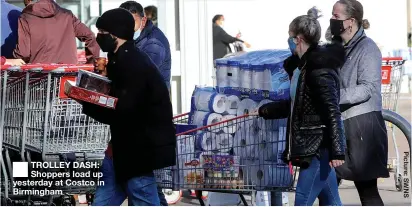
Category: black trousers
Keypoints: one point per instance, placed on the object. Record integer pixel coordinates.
(368, 193)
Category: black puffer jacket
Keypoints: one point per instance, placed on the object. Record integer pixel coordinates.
(316, 120)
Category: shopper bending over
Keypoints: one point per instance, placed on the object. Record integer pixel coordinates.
(316, 140)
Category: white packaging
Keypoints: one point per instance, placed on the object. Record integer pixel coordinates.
(233, 74)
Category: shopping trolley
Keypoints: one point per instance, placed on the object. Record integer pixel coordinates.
(239, 155)
(392, 74)
(38, 118)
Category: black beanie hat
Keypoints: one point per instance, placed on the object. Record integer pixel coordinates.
(118, 22)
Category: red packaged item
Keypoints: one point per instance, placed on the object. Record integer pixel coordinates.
(82, 94)
(93, 82)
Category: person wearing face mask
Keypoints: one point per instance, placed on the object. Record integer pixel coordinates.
(138, 146)
(221, 39)
(316, 139)
(151, 40)
(360, 102)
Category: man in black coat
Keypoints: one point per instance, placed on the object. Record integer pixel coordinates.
(142, 132)
(221, 39)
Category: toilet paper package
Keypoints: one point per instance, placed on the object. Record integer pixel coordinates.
(280, 80)
(207, 99)
(230, 125)
(246, 75)
(270, 146)
(206, 141)
(202, 118)
(248, 169)
(270, 124)
(224, 142)
(245, 142)
(221, 74)
(257, 76)
(246, 106)
(269, 175)
(232, 103)
(233, 73)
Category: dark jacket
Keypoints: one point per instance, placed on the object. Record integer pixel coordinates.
(221, 41)
(316, 119)
(9, 17)
(47, 34)
(142, 132)
(154, 43)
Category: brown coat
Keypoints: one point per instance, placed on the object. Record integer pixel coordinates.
(47, 35)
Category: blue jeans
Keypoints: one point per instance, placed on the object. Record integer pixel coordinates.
(140, 191)
(318, 180)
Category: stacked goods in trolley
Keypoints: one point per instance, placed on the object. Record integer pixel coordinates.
(392, 74)
(39, 123)
(229, 150)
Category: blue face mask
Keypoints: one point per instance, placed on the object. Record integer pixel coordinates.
(136, 34)
(292, 45)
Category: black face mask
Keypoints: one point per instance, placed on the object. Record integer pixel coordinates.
(106, 42)
(336, 27)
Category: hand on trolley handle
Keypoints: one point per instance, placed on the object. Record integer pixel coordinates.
(14, 62)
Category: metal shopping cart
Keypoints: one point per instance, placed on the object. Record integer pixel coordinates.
(392, 74)
(38, 119)
(239, 155)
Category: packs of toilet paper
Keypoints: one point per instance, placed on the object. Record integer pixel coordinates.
(206, 141)
(280, 80)
(269, 175)
(202, 118)
(245, 142)
(224, 142)
(270, 146)
(207, 99)
(258, 76)
(221, 74)
(232, 104)
(270, 124)
(233, 73)
(230, 124)
(246, 75)
(246, 106)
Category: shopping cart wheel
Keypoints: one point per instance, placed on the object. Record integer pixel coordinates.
(204, 194)
(89, 198)
(398, 182)
(172, 197)
(67, 200)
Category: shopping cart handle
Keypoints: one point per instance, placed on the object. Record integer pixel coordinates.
(13, 68)
(392, 58)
